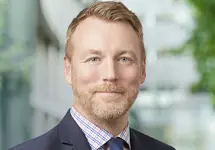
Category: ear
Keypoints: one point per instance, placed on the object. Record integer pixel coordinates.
(143, 71)
(67, 70)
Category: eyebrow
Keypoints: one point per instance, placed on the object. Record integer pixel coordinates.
(126, 52)
(97, 52)
(91, 51)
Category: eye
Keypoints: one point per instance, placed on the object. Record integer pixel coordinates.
(125, 60)
(94, 59)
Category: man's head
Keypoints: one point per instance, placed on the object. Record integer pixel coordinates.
(105, 59)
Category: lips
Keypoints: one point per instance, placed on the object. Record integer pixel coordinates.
(107, 88)
(108, 92)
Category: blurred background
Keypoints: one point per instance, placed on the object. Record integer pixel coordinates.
(177, 102)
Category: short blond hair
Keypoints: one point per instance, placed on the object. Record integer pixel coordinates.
(109, 11)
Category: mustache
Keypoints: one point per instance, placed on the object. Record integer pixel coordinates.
(108, 88)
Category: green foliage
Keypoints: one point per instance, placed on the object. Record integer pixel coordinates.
(3, 10)
(12, 58)
(201, 44)
(14, 54)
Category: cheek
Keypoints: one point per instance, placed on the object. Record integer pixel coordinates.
(86, 75)
(130, 76)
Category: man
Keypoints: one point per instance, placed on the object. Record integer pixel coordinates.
(105, 65)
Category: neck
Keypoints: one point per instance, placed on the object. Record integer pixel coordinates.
(113, 126)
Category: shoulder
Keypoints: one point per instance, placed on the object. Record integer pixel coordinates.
(43, 142)
(150, 141)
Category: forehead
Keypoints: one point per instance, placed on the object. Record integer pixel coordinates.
(94, 33)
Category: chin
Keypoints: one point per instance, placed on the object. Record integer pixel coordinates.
(108, 115)
(109, 97)
(111, 110)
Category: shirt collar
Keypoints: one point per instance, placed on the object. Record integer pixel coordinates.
(95, 135)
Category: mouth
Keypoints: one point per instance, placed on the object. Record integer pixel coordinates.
(112, 91)
(109, 93)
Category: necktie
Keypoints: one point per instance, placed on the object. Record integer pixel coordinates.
(115, 144)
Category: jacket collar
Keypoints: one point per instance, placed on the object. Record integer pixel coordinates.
(139, 140)
(71, 134)
(72, 137)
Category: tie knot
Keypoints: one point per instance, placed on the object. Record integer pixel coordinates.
(115, 144)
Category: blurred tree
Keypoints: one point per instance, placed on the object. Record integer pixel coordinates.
(17, 45)
(201, 44)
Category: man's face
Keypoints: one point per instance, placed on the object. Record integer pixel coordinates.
(106, 68)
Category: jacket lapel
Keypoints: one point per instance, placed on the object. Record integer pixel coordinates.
(71, 135)
(73, 138)
(137, 142)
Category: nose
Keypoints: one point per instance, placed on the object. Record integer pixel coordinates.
(109, 71)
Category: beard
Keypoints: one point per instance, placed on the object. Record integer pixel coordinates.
(106, 107)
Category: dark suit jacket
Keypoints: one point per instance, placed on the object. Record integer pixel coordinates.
(68, 136)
